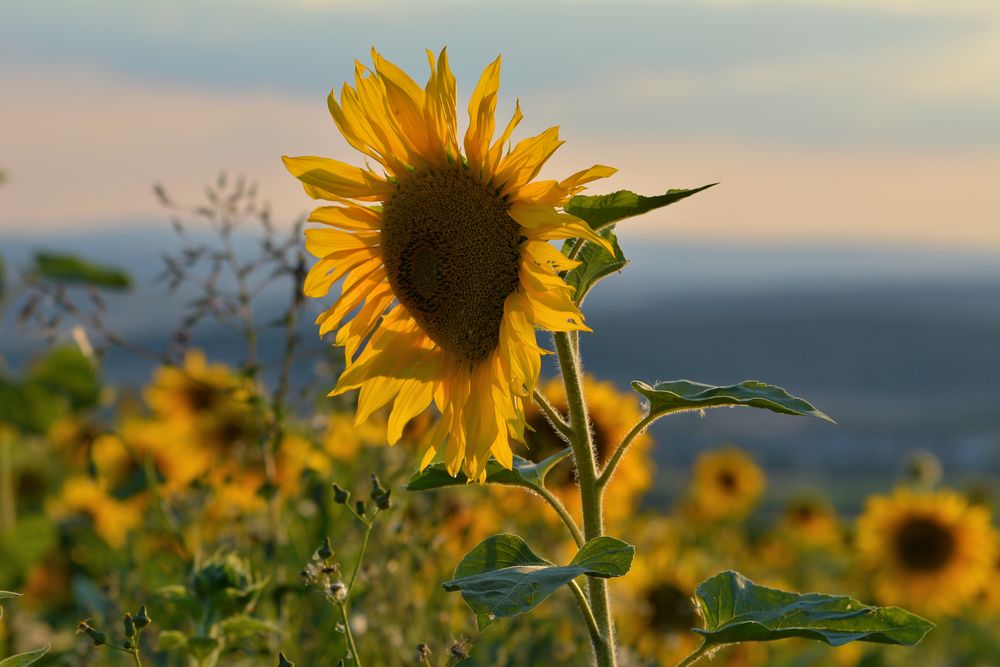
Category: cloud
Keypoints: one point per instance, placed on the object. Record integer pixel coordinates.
(89, 146)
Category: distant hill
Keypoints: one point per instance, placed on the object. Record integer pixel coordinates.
(902, 348)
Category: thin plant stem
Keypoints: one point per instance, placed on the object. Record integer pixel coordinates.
(590, 494)
(636, 431)
(351, 646)
(361, 554)
(588, 615)
(553, 415)
(695, 657)
(561, 511)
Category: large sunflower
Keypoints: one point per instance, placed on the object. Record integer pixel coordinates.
(931, 551)
(451, 271)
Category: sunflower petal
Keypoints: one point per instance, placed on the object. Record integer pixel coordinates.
(326, 175)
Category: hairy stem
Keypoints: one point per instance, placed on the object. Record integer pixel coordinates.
(596, 640)
(563, 514)
(616, 458)
(695, 657)
(558, 423)
(590, 493)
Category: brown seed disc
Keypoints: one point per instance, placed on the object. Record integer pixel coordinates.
(924, 545)
(452, 254)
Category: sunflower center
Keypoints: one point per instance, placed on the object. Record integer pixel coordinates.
(452, 254)
(923, 544)
(727, 481)
(671, 608)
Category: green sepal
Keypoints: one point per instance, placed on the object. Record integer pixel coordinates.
(596, 264)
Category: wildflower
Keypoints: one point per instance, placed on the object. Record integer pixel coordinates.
(450, 275)
(931, 551)
(726, 485)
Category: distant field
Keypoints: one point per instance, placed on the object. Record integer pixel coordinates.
(901, 362)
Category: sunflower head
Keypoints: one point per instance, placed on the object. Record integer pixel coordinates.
(932, 551)
(727, 483)
(444, 257)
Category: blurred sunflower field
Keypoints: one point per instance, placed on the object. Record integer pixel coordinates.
(234, 514)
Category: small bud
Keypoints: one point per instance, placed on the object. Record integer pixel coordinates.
(377, 489)
(98, 637)
(459, 651)
(339, 591)
(325, 550)
(142, 619)
(283, 661)
(129, 624)
(360, 508)
(382, 501)
(340, 495)
(423, 652)
(128, 645)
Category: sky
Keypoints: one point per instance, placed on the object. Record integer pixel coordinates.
(838, 122)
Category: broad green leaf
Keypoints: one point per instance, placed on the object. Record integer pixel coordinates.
(5, 595)
(71, 269)
(599, 211)
(503, 577)
(24, 659)
(684, 395)
(596, 263)
(737, 610)
(523, 473)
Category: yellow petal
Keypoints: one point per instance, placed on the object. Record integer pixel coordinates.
(544, 223)
(496, 152)
(413, 398)
(326, 175)
(526, 160)
(482, 106)
(352, 218)
(323, 242)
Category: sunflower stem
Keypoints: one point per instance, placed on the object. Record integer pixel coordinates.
(616, 458)
(591, 495)
(588, 615)
(696, 656)
(556, 419)
(560, 509)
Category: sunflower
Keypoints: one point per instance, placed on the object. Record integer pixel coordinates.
(726, 485)
(812, 522)
(209, 399)
(449, 273)
(931, 551)
(112, 519)
(612, 414)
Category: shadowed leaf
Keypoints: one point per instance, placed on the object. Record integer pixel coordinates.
(502, 577)
(737, 610)
(684, 395)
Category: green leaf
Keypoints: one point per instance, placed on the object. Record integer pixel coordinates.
(5, 595)
(66, 371)
(242, 625)
(684, 395)
(171, 640)
(24, 659)
(599, 211)
(72, 269)
(202, 647)
(737, 610)
(596, 264)
(523, 473)
(502, 577)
